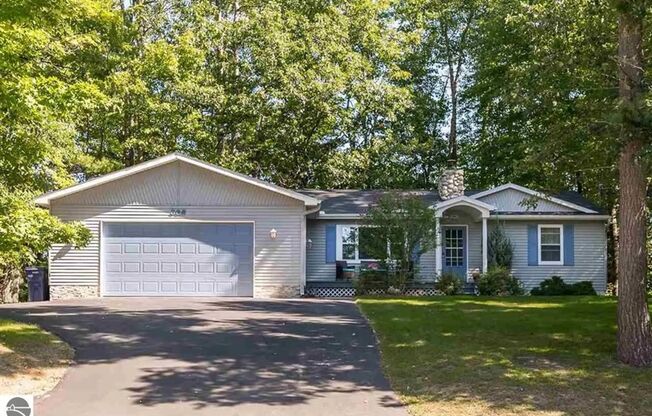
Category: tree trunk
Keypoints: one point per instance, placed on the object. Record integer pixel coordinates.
(452, 136)
(634, 331)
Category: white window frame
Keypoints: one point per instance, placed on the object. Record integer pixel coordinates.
(338, 246)
(561, 245)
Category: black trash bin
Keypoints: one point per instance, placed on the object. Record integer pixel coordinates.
(37, 284)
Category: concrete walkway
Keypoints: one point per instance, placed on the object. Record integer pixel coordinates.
(176, 356)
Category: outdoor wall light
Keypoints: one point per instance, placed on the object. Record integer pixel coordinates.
(309, 243)
(273, 234)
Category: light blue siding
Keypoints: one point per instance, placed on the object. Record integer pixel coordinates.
(316, 267)
(590, 254)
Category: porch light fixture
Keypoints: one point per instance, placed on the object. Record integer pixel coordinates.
(273, 234)
(309, 243)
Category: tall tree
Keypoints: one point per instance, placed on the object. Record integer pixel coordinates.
(442, 58)
(634, 330)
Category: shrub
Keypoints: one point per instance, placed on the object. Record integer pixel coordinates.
(499, 248)
(498, 281)
(371, 281)
(449, 284)
(555, 286)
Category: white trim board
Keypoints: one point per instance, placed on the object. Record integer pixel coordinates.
(484, 208)
(44, 200)
(533, 193)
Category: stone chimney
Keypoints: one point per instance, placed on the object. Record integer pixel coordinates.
(451, 183)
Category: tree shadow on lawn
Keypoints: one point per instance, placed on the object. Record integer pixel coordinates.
(507, 356)
(223, 353)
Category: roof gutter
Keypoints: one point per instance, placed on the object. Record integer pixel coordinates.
(325, 216)
(574, 217)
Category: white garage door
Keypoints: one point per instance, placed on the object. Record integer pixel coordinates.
(177, 259)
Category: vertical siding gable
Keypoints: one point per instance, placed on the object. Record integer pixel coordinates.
(511, 200)
(178, 184)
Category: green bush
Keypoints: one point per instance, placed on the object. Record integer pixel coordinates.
(555, 286)
(498, 281)
(449, 284)
(371, 281)
(500, 248)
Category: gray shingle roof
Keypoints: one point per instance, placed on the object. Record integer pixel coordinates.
(356, 201)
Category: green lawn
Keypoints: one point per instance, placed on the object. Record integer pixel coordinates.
(32, 360)
(507, 356)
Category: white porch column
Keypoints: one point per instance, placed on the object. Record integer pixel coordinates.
(438, 248)
(484, 244)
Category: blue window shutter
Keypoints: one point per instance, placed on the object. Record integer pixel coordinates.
(331, 236)
(532, 245)
(569, 245)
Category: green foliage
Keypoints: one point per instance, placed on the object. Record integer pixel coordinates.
(540, 70)
(370, 281)
(449, 284)
(46, 66)
(26, 232)
(555, 286)
(498, 281)
(499, 248)
(407, 225)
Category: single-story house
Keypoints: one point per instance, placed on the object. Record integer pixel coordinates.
(178, 226)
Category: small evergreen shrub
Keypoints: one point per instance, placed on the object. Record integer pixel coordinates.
(449, 284)
(555, 286)
(371, 281)
(498, 281)
(499, 248)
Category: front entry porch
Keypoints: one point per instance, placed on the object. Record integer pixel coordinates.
(462, 237)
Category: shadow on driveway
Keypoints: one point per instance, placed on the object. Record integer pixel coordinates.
(175, 355)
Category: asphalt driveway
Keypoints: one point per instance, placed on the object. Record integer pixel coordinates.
(177, 356)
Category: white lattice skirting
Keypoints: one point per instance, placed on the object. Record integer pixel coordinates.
(349, 292)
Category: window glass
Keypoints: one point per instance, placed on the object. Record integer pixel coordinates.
(349, 241)
(550, 248)
(454, 247)
(364, 237)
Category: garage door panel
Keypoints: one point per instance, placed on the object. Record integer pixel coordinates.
(178, 259)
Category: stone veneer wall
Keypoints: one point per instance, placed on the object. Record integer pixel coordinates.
(451, 183)
(73, 292)
(284, 291)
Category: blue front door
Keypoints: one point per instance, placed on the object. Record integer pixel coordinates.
(454, 250)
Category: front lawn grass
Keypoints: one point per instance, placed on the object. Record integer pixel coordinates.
(32, 360)
(507, 356)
